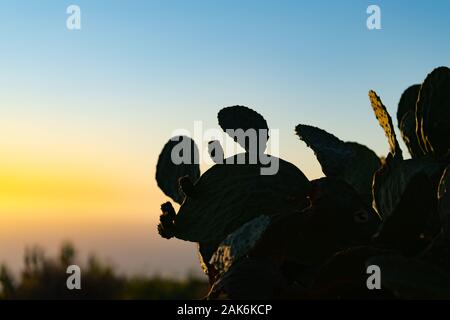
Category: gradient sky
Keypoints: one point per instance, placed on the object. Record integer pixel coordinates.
(84, 114)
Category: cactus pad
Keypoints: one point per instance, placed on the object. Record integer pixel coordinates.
(252, 278)
(239, 243)
(391, 181)
(352, 162)
(240, 117)
(406, 119)
(336, 219)
(433, 113)
(385, 121)
(168, 173)
(410, 216)
(229, 195)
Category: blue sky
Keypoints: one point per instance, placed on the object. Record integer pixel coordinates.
(294, 61)
(140, 69)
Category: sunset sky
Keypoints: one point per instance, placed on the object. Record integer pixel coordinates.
(84, 114)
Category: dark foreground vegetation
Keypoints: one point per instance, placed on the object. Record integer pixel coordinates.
(45, 278)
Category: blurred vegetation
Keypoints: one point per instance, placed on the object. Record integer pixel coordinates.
(45, 278)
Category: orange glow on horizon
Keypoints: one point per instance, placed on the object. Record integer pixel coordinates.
(56, 187)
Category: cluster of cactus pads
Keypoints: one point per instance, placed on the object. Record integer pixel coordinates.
(283, 236)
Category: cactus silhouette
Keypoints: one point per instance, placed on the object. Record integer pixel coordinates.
(433, 113)
(406, 119)
(281, 235)
(349, 161)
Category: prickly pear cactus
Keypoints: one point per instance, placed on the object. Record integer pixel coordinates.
(406, 119)
(252, 279)
(433, 113)
(408, 101)
(391, 181)
(173, 164)
(337, 219)
(352, 162)
(240, 117)
(385, 121)
(280, 235)
(344, 276)
(229, 195)
(414, 207)
(239, 243)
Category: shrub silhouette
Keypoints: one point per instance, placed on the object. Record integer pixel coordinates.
(45, 278)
